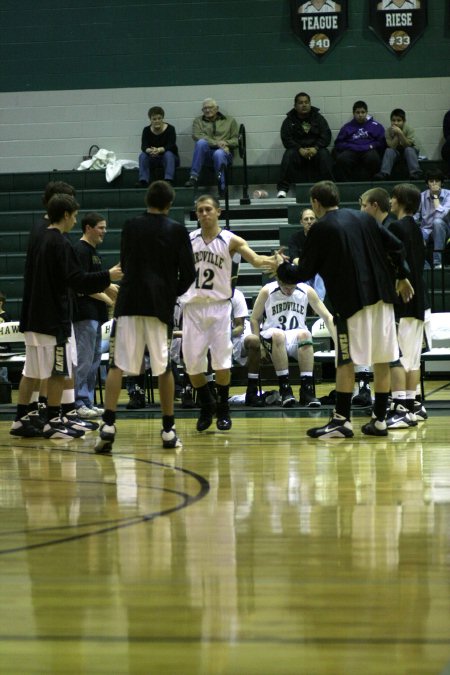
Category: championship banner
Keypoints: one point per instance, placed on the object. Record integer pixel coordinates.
(398, 23)
(319, 24)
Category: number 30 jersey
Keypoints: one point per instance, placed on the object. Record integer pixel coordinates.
(285, 311)
(213, 269)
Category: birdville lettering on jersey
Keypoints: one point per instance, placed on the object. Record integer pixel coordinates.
(209, 257)
(399, 19)
(288, 306)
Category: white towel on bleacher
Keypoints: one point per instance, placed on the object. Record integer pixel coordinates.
(106, 159)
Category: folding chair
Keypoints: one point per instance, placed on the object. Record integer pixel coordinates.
(437, 329)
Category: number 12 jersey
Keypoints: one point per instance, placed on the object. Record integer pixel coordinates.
(213, 269)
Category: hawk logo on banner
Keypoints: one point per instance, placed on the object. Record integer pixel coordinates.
(319, 24)
(398, 23)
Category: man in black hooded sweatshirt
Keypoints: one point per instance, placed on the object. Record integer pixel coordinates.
(306, 135)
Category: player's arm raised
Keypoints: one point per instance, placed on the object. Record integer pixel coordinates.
(265, 262)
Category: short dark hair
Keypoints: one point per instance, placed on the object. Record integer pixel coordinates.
(206, 197)
(92, 219)
(160, 195)
(380, 196)
(307, 208)
(398, 112)
(437, 174)
(302, 93)
(57, 187)
(408, 196)
(360, 104)
(2, 297)
(326, 192)
(156, 110)
(59, 204)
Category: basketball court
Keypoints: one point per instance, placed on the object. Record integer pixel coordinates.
(257, 551)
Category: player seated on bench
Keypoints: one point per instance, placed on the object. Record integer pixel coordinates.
(247, 348)
(278, 318)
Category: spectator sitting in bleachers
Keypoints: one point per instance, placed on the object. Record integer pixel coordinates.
(158, 148)
(359, 145)
(433, 215)
(306, 135)
(216, 138)
(401, 142)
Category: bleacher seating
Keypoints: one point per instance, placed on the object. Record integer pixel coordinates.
(265, 223)
(20, 208)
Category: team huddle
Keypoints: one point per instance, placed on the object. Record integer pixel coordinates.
(373, 280)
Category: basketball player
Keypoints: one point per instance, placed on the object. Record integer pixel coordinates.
(207, 309)
(376, 203)
(38, 401)
(405, 373)
(156, 258)
(355, 264)
(278, 317)
(246, 347)
(51, 269)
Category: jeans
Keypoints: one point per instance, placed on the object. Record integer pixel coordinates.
(439, 233)
(391, 156)
(168, 160)
(215, 157)
(88, 335)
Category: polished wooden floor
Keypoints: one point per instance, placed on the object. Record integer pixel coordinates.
(253, 552)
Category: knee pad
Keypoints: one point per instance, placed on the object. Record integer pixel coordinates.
(304, 343)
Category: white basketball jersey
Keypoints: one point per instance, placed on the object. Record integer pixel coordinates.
(388, 5)
(213, 265)
(308, 8)
(239, 307)
(239, 310)
(287, 312)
